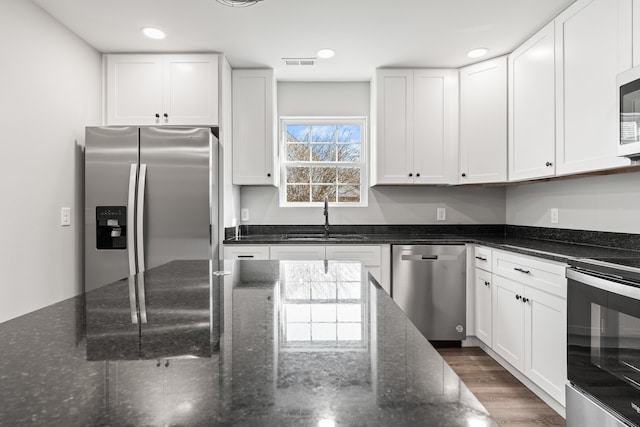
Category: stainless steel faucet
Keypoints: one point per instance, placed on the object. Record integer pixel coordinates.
(326, 217)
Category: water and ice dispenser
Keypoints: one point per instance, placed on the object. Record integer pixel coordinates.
(111, 227)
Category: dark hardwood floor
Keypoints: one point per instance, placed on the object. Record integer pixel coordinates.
(506, 398)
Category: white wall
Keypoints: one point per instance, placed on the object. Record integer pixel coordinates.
(395, 205)
(49, 91)
(601, 203)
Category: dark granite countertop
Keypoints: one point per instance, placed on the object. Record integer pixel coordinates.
(553, 244)
(251, 343)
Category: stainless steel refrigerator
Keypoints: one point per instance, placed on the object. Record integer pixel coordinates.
(150, 198)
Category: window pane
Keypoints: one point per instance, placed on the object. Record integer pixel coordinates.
(349, 272)
(298, 290)
(298, 133)
(323, 313)
(298, 312)
(348, 193)
(323, 331)
(323, 153)
(349, 152)
(349, 133)
(323, 290)
(323, 133)
(349, 331)
(324, 175)
(298, 152)
(349, 312)
(349, 175)
(298, 332)
(297, 175)
(298, 193)
(320, 191)
(349, 290)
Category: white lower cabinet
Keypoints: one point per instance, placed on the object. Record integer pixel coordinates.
(483, 304)
(246, 252)
(529, 320)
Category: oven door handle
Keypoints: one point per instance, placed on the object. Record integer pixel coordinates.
(608, 285)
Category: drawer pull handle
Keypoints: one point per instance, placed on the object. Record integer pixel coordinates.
(245, 256)
(522, 270)
(525, 300)
(481, 258)
(518, 297)
(487, 283)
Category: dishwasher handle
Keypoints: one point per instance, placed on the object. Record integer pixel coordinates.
(418, 257)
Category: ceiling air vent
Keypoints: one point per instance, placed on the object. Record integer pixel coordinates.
(299, 61)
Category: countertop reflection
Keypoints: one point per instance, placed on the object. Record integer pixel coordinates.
(229, 343)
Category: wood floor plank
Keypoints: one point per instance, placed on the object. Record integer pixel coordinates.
(506, 398)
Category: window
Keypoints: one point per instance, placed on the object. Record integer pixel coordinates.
(323, 157)
(323, 306)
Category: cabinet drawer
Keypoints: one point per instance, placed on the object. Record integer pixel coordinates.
(297, 252)
(246, 252)
(483, 258)
(547, 276)
(367, 255)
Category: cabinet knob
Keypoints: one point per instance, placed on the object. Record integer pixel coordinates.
(518, 297)
(417, 174)
(157, 116)
(487, 283)
(525, 300)
(269, 175)
(549, 164)
(410, 174)
(166, 116)
(464, 175)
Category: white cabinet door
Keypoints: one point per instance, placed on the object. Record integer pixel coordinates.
(392, 151)
(190, 90)
(254, 139)
(593, 44)
(483, 306)
(483, 122)
(545, 346)
(508, 321)
(532, 107)
(435, 125)
(134, 89)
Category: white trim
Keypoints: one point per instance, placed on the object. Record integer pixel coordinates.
(362, 121)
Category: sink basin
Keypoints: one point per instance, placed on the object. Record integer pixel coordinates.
(321, 236)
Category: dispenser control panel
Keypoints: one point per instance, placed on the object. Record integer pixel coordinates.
(111, 227)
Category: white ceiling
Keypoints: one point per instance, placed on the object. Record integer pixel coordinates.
(364, 33)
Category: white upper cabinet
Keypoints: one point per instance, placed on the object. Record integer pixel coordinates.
(593, 44)
(483, 122)
(254, 129)
(415, 126)
(162, 89)
(532, 132)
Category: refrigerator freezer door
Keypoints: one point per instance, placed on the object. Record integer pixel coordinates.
(177, 202)
(109, 154)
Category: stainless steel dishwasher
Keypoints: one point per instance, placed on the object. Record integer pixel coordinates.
(429, 285)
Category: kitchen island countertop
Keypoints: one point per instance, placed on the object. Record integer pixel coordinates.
(232, 343)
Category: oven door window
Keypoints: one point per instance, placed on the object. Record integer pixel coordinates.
(604, 347)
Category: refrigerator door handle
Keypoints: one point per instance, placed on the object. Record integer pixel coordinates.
(141, 299)
(132, 299)
(142, 183)
(131, 211)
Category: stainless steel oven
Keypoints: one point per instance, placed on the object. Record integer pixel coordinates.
(603, 343)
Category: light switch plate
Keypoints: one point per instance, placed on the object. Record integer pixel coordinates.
(554, 215)
(244, 214)
(442, 214)
(65, 217)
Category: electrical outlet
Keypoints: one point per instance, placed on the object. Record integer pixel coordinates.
(554, 215)
(442, 214)
(244, 214)
(65, 217)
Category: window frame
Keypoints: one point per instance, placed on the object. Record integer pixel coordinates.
(362, 121)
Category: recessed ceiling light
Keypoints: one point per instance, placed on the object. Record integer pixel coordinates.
(477, 53)
(326, 53)
(238, 3)
(153, 33)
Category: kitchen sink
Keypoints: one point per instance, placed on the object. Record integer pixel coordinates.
(321, 236)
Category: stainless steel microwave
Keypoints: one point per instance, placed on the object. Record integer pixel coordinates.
(628, 84)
